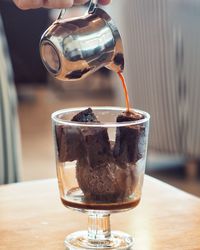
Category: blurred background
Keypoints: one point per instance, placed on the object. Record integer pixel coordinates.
(162, 56)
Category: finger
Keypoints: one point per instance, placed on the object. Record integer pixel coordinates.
(79, 2)
(33, 4)
(24, 4)
(58, 4)
(104, 2)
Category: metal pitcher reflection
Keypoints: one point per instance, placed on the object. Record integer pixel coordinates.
(72, 49)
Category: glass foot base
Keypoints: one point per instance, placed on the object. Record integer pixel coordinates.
(117, 241)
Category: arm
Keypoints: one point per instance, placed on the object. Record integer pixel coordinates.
(33, 4)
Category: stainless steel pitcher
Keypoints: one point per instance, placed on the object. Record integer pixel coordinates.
(72, 49)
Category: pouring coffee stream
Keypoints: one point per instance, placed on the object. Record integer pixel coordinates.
(125, 91)
(72, 49)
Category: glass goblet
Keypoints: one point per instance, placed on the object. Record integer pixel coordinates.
(100, 170)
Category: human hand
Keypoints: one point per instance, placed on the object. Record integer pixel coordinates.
(34, 4)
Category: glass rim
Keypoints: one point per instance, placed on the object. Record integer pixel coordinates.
(55, 118)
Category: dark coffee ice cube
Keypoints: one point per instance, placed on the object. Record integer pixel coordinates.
(69, 143)
(95, 140)
(85, 116)
(128, 147)
(97, 146)
(129, 116)
(69, 139)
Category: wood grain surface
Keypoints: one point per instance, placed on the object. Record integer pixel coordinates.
(32, 217)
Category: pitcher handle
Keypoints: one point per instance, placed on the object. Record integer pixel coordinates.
(91, 9)
(92, 6)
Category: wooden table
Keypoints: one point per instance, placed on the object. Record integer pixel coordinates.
(32, 217)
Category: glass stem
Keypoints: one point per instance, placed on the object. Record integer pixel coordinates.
(98, 228)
